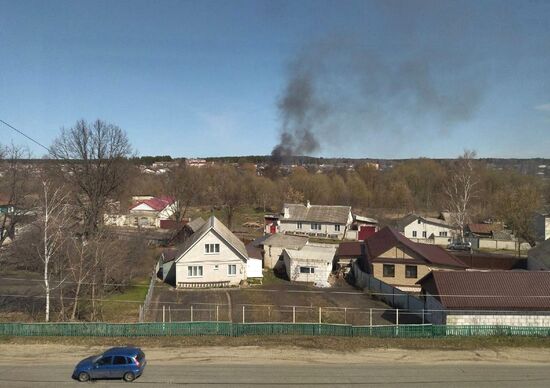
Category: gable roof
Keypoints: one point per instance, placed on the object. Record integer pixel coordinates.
(317, 213)
(195, 224)
(491, 290)
(388, 238)
(409, 218)
(223, 232)
(155, 203)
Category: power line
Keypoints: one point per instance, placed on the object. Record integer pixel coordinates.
(25, 135)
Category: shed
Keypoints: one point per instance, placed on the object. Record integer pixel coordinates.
(311, 264)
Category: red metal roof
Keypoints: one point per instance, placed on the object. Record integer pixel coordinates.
(491, 290)
(388, 238)
(156, 203)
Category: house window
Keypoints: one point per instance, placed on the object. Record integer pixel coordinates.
(299, 225)
(388, 270)
(194, 271)
(419, 221)
(414, 233)
(232, 269)
(411, 271)
(307, 269)
(442, 234)
(212, 248)
(216, 267)
(424, 234)
(316, 226)
(336, 228)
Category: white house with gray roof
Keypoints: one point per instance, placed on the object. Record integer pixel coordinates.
(211, 257)
(427, 229)
(315, 220)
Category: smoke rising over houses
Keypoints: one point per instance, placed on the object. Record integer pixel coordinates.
(341, 90)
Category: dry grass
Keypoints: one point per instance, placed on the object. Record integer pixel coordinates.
(340, 344)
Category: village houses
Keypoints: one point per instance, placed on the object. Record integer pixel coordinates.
(400, 262)
(427, 229)
(320, 221)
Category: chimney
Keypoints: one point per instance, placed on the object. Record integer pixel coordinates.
(308, 204)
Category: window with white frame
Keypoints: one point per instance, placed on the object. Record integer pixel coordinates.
(336, 228)
(424, 234)
(442, 234)
(194, 271)
(307, 269)
(315, 226)
(298, 225)
(211, 248)
(414, 233)
(232, 269)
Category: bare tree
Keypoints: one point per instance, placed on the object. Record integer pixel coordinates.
(54, 221)
(95, 161)
(460, 189)
(184, 184)
(13, 189)
(516, 206)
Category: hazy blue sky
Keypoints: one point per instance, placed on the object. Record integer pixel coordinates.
(203, 78)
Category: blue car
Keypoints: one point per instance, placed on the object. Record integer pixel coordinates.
(116, 363)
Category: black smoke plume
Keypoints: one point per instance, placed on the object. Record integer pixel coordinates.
(340, 93)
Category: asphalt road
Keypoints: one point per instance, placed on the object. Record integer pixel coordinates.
(287, 375)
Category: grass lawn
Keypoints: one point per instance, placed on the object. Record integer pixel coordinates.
(124, 307)
(271, 278)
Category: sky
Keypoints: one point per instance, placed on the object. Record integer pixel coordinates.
(387, 79)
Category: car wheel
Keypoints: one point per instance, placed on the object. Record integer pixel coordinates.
(83, 377)
(129, 377)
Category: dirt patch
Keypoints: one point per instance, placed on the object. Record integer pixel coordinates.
(281, 302)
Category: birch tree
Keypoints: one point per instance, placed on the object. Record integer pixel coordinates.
(54, 221)
(461, 189)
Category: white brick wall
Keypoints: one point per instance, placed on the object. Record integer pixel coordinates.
(497, 319)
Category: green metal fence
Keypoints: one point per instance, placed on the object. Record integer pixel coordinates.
(263, 329)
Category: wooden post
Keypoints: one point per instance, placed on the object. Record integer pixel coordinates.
(191, 313)
(169, 314)
(320, 314)
(243, 313)
(217, 313)
(293, 314)
(163, 313)
(345, 315)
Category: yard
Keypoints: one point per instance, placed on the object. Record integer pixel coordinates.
(277, 300)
